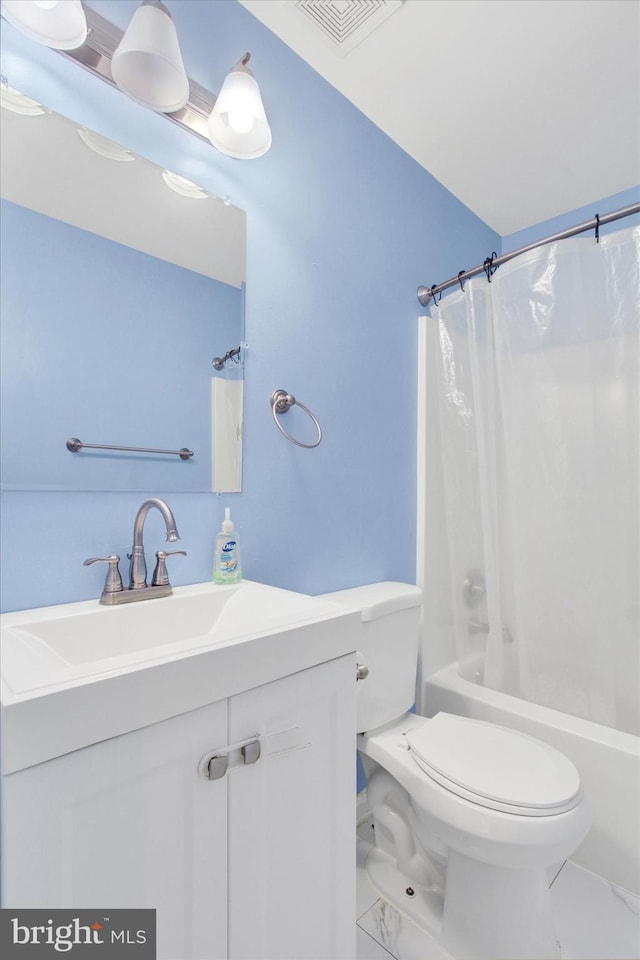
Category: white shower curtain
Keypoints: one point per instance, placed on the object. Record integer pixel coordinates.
(539, 407)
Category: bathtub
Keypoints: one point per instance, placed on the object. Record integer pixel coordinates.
(608, 762)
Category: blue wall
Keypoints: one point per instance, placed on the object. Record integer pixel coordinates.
(342, 227)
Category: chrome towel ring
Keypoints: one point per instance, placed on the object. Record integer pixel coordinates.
(281, 401)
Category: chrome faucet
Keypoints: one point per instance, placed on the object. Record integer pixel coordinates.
(138, 565)
(114, 592)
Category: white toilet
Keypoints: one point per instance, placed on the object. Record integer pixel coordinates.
(468, 815)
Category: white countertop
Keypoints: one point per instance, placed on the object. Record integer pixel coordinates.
(51, 706)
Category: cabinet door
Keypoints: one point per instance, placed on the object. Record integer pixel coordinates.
(127, 823)
(292, 818)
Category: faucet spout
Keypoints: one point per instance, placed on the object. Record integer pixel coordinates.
(138, 565)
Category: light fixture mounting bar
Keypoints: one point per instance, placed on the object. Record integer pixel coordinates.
(95, 56)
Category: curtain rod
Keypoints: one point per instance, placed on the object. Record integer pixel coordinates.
(426, 293)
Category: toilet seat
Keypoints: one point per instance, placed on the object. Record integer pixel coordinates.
(495, 767)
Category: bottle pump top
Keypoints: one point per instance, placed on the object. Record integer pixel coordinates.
(227, 523)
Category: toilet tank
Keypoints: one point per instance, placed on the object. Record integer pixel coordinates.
(389, 648)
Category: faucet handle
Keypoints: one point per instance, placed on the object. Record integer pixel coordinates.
(160, 576)
(113, 582)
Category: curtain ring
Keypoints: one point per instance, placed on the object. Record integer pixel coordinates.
(459, 279)
(433, 294)
(597, 228)
(489, 268)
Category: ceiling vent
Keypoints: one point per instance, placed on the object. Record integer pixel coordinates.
(346, 23)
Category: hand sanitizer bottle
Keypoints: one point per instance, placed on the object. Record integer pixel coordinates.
(227, 567)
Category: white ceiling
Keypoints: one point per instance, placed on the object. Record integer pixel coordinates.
(523, 109)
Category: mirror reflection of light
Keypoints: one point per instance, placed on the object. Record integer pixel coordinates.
(186, 188)
(105, 148)
(46, 4)
(17, 102)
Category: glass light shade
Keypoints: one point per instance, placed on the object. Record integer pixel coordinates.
(238, 124)
(147, 63)
(55, 23)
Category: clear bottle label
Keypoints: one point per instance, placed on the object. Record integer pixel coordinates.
(228, 558)
(227, 566)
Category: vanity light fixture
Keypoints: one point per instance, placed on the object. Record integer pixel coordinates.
(146, 64)
(238, 124)
(55, 23)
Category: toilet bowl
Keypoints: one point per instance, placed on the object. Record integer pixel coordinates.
(497, 831)
(469, 816)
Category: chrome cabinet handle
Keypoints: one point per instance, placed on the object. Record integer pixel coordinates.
(215, 765)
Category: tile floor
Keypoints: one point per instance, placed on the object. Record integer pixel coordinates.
(595, 920)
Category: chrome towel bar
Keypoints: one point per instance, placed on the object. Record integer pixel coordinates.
(75, 445)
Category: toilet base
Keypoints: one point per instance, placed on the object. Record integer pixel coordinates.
(476, 910)
(488, 913)
(421, 904)
(494, 913)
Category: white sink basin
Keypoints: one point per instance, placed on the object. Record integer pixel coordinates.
(78, 673)
(105, 633)
(76, 642)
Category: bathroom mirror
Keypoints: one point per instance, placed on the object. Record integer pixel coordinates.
(120, 284)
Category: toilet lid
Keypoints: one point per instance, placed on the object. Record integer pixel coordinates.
(494, 766)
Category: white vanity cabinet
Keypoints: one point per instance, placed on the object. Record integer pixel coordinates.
(255, 865)
(126, 823)
(292, 819)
